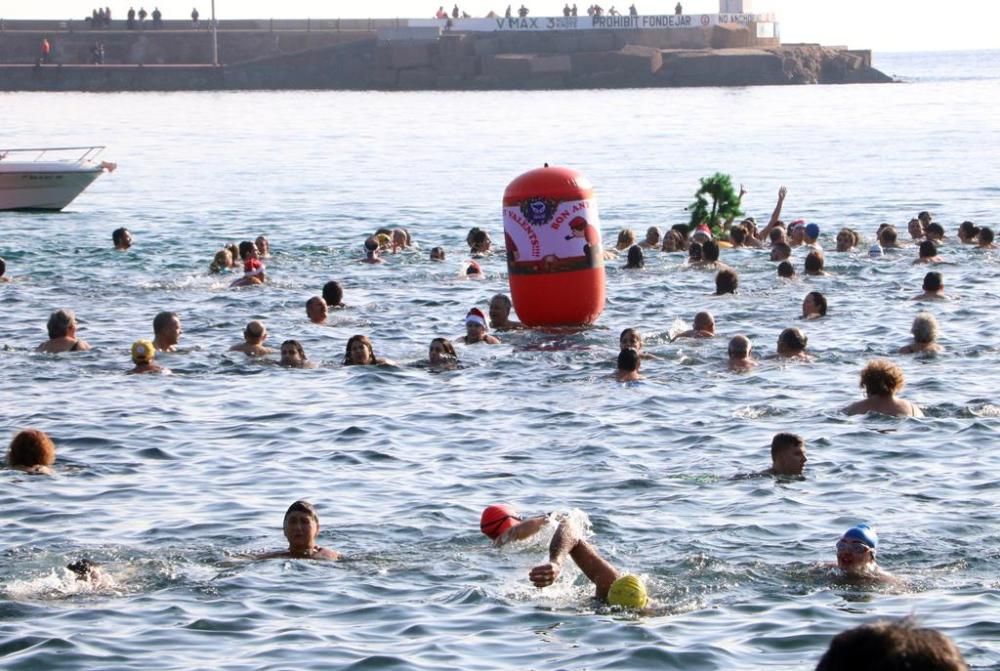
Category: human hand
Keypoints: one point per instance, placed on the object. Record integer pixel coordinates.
(782, 192)
(545, 574)
(743, 191)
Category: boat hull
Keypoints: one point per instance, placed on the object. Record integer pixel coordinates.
(32, 189)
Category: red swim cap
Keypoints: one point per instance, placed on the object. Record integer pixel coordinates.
(497, 519)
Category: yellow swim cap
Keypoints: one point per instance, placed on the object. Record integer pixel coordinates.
(143, 351)
(628, 592)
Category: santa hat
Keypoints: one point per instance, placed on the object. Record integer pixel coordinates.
(476, 316)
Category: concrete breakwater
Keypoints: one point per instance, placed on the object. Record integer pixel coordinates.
(419, 59)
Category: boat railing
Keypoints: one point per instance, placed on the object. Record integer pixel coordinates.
(36, 154)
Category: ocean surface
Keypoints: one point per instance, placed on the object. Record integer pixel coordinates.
(172, 481)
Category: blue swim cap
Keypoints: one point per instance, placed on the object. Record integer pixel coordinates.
(812, 230)
(863, 533)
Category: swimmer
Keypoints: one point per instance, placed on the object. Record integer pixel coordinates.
(635, 260)
(898, 644)
(847, 240)
(500, 307)
(399, 240)
(62, 334)
(234, 253)
(726, 282)
(813, 305)
(474, 271)
(88, 571)
(739, 351)
(888, 238)
(926, 218)
(3, 269)
(166, 331)
(856, 556)
(673, 241)
(361, 352)
(611, 586)
(915, 228)
(796, 233)
(316, 310)
(934, 232)
(985, 238)
(263, 246)
(437, 254)
(442, 354)
(780, 251)
(788, 455)
(695, 255)
(502, 524)
(811, 238)
(738, 236)
(778, 235)
(479, 242)
(476, 329)
(792, 345)
(631, 338)
(628, 366)
(701, 234)
(814, 263)
(143, 353)
(333, 295)
(31, 451)
(968, 232)
(221, 262)
(626, 238)
(927, 253)
(293, 355)
(254, 336)
(882, 379)
(933, 287)
(710, 254)
(652, 240)
(786, 270)
(372, 251)
(925, 333)
(248, 251)
(703, 327)
(774, 223)
(301, 526)
(121, 238)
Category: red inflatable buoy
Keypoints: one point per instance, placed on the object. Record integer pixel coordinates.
(554, 255)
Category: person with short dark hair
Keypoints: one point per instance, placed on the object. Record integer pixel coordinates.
(780, 251)
(898, 645)
(792, 345)
(301, 526)
(967, 232)
(726, 282)
(814, 305)
(628, 366)
(934, 231)
(31, 451)
(333, 294)
(933, 287)
(3, 269)
(882, 379)
(437, 254)
(121, 238)
(786, 270)
(737, 236)
(62, 334)
(814, 263)
(888, 238)
(985, 238)
(372, 251)
(293, 355)
(166, 331)
(500, 307)
(695, 255)
(927, 253)
(788, 455)
(635, 259)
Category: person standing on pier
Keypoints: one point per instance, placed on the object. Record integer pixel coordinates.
(130, 21)
(194, 17)
(46, 51)
(678, 10)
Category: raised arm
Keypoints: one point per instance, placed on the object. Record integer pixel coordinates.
(776, 215)
(522, 530)
(569, 541)
(739, 200)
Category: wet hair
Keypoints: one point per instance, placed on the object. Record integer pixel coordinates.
(785, 441)
(3, 267)
(246, 247)
(703, 321)
(118, 236)
(333, 293)
(653, 235)
(925, 328)
(786, 269)
(740, 346)
(626, 238)
(437, 253)
(59, 323)
(83, 568)
(161, 321)
(934, 228)
(371, 244)
(362, 339)
(820, 301)
(695, 251)
(726, 282)
(449, 348)
(784, 247)
(848, 236)
(924, 216)
(314, 300)
(635, 259)
(793, 339)
(927, 249)
(985, 236)
(776, 235)
(738, 235)
(479, 238)
(382, 231)
(933, 281)
(887, 236)
(298, 347)
(629, 331)
(673, 239)
(31, 447)
(968, 230)
(710, 251)
(814, 262)
(255, 329)
(222, 259)
(503, 298)
(628, 359)
(882, 377)
(301, 506)
(898, 645)
(260, 247)
(471, 234)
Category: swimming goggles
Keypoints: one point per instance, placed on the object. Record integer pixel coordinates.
(854, 547)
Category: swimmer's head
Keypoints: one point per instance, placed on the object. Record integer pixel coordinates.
(788, 454)
(628, 592)
(925, 328)
(863, 533)
(814, 262)
(83, 568)
(704, 321)
(371, 245)
(635, 258)
(30, 448)
(792, 341)
(882, 377)
(437, 254)
(3, 267)
(925, 217)
(333, 293)
(255, 331)
(497, 519)
(933, 281)
(875, 251)
(740, 347)
(786, 269)
(304, 507)
(143, 352)
(726, 282)
(812, 232)
(630, 338)
(476, 319)
(928, 249)
(473, 268)
(626, 238)
(628, 360)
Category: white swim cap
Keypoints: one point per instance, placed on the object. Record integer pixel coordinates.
(875, 251)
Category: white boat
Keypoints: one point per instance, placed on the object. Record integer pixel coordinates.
(48, 178)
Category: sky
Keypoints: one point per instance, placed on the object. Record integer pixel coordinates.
(881, 25)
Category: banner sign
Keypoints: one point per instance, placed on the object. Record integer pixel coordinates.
(544, 23)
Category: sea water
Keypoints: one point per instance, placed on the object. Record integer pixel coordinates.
(172, 481)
